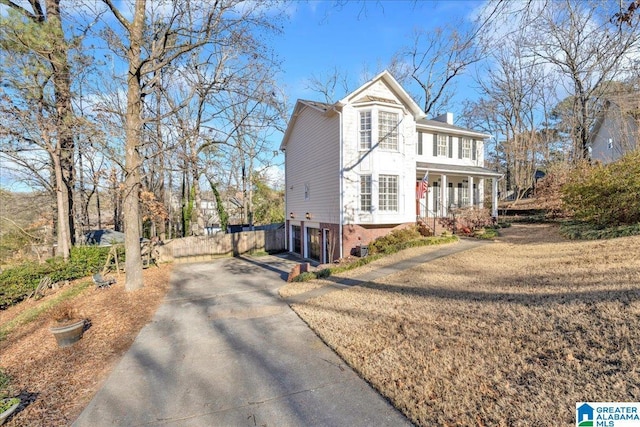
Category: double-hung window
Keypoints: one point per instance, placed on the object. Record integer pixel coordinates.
(442, 145)
(388, 193)
(365, 130)
(466, 148)
(365, 193)
(388, 130)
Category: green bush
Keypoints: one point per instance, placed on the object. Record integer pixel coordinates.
(385, 244)
(305, 277)
(18, 282)
(400, 245)
(578, 230)
(607, 195)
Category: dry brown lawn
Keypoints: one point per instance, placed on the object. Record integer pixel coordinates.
(513, 333)
(56, 384)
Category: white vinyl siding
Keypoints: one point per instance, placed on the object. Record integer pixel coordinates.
(365, 193)
(312, 170)
(388, 130)
(388, 193)
(365, 130)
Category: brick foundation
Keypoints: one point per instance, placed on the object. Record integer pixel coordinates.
(354, 235)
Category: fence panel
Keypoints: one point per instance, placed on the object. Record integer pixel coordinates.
(203, 248)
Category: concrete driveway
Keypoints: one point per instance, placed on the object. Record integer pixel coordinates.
(225, 350)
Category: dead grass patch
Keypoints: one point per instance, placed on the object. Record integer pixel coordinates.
(507, 334)
(57, 383)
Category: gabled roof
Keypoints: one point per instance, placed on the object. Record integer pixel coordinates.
(399, 92)
(627, 104)
(301, 104)
(436, 125)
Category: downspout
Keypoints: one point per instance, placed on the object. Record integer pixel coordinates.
(340, 198)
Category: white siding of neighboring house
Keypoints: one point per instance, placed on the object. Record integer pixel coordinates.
(312, 158)
(616, 136)
(378, 161)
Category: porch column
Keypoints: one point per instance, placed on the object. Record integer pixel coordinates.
(443, 196)
(470, 190)
(494, 198)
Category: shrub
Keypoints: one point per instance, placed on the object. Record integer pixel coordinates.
(305, 277)
(606, 194)
(549, 189)
(588, 231)
(385, 243)
(18, 282)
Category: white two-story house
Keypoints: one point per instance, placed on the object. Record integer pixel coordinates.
(355, 169)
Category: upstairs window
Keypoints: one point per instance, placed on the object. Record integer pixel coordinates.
(466, 148)
(441, 145)
(365, 130)
(388, 194)
(388, 130)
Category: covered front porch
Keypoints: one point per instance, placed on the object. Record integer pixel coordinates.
(451, 187)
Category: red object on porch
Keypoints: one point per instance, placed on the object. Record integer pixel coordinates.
(423, 186)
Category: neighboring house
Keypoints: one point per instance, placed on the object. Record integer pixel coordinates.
(353, 169)
(615, 131)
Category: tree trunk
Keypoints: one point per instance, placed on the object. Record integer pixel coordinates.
(133, 160)
(64, 241)
(197, 218)
(62, 88)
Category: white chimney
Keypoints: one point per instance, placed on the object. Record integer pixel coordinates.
(445, 118)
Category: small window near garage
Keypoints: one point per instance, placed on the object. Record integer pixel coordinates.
(307, 191)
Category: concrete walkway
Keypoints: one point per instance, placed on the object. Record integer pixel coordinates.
(341, 283)
(225, 350)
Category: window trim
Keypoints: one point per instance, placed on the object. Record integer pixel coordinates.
(388, 201)
(364, 130)
(388, 130)
(465, 150)
(363, 179)
(441, 150)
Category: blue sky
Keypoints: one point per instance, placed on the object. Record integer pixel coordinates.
(359, 35)
(362, 35)
(358, 38)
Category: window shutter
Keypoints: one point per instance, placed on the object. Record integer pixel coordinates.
(459, 147)
(474, 147)
(419, 143)
(450, 147)
(435, 145)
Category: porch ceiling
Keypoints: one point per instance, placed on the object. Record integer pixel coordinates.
(476, 171)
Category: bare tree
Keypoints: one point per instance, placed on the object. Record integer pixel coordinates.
(174, 30)
(36, 33)
(587, 52)
(331, 85)
(437, 57)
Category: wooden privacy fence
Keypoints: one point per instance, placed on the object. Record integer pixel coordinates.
(202, 248)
